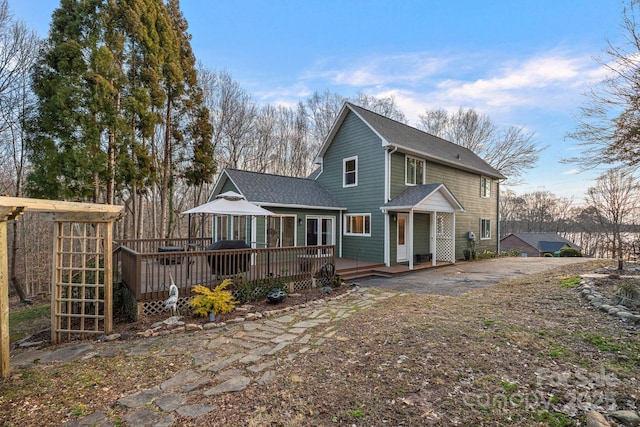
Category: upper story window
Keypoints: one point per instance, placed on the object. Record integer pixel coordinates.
(357, 225)
(350, 171)
(485, 186)
(414, 171)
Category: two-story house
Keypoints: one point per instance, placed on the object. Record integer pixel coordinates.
(384, 192)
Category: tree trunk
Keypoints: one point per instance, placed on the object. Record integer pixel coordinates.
(14, 253)
(166, 174)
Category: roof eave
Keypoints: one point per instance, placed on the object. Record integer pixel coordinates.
(293, 205)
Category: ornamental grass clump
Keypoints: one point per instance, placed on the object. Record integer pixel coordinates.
(628, 294)
(218, 301)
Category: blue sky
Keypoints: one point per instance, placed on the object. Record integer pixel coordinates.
(521, 62)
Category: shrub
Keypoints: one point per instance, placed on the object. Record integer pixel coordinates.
(570, 252)
(486, 254)
(218, 301)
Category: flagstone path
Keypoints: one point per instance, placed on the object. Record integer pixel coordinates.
(226, 359)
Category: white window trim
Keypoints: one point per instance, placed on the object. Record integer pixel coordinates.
(344, 172)
(280, 216)
(482, 229)
(482, 187)
(320, 218)
(346, 218)
(424, 170)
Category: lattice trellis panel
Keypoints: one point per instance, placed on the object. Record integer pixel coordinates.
(81, 298)
(444, 239)
(150, 308)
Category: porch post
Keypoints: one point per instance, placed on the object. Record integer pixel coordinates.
(387, 243)
(434, 240)
(453, 237)
(409, 239)
(4, 302)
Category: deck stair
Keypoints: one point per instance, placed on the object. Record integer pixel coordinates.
(364, 269)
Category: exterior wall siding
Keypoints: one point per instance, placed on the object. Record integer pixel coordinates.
(355, 138)
(421, 230)
(228, 186)
(465, 186)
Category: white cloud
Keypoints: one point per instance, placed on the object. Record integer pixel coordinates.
(397, 69)
(548, 81)
(574, 171)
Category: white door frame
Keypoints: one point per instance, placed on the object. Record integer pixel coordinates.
(401, 249)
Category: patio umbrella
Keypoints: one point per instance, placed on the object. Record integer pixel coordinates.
(230, 203)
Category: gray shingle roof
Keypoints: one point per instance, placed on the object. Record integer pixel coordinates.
(430, 146)
(415, 194)
(412, 195)
(545, 242)
(266, 189)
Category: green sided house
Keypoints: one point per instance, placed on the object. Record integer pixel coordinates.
(384, 192)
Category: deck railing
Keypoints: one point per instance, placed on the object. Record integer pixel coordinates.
(148, 275)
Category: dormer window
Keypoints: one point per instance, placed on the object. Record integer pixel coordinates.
(414, 171)
(350, 172)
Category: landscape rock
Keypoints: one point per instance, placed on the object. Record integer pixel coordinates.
(596, 419)
(628, 418)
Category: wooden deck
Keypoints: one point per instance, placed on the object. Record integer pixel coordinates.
(349, 269)
(149, 275)
(148, 272)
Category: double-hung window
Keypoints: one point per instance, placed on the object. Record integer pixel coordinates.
(350, 171)
(357, 225)
(485, 229)
(414, 169)
(485, 187)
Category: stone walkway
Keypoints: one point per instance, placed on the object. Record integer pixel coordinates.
(226, 359)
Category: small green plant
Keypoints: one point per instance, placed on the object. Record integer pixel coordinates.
(556, 352)
(508, 387)
(78, 410)
(511, 253)
(357, 414)
(570, 282)
(486, 254)
(218, 301)
(603, 344)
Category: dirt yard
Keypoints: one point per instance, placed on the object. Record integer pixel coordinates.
(527, 352)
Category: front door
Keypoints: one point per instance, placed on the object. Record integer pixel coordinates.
(403, 220)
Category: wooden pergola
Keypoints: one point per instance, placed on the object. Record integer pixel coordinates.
(81, 292)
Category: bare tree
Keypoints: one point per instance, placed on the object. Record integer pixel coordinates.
(614, 200)
(384, 106)
(607, 128)
(18, 49)
(536, 212)
(512, 151)
(233, 116)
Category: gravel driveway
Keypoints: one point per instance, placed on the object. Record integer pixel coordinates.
(463, 277)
